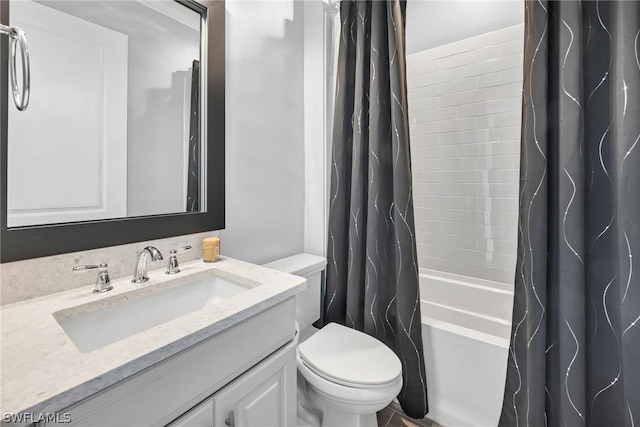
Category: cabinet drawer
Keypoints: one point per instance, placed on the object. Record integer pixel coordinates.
(200, 416)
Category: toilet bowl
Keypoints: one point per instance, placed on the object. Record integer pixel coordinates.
(349, 375)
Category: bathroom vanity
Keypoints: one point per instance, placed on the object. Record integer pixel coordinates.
(229, 360)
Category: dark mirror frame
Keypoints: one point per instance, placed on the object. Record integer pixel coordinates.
(21, 243)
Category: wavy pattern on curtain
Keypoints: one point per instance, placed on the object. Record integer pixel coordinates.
(575, 348)
(372, 274)
(193, 168)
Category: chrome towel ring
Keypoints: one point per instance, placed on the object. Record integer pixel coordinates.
(18, 37)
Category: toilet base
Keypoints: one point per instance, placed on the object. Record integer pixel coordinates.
(334, 418)
(341, 414)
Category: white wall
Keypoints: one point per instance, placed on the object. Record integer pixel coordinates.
(464, 110)
(432, 23)
(264, 130)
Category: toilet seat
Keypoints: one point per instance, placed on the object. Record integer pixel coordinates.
(350, 358)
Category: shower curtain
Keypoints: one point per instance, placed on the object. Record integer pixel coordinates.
(193, 171)
(372, 274)
(574, 357)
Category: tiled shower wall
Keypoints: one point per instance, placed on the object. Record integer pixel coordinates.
(465, 113)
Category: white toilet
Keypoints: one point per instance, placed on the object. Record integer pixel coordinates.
(349, 375)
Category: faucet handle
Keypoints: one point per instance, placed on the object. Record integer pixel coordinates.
(103, 283)
(172, 267)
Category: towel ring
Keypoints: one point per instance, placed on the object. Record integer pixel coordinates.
(18, 37)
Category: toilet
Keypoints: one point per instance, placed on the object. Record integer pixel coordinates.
(348, 375)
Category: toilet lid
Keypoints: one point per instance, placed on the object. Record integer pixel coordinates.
(346, 356)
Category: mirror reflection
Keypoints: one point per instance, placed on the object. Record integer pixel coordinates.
(113, 125)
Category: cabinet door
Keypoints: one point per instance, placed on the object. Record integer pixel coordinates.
(265, 396)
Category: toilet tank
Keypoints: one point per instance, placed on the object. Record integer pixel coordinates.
(308, 302)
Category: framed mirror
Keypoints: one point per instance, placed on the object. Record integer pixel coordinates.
(123, 136)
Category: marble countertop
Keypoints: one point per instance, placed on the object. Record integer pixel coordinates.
(42, 371)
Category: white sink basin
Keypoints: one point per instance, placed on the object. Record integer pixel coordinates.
(92, 330)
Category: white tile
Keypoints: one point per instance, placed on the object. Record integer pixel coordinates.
(425, 177)
(491, 66)
(424, 141)
(489, 148)
(476, 217)
(506, 247)
(497, 204)
(436, 251)
(436, 263)
(469, 97)
(508, 218)
(449, 49)
(510, 47)
(488, 190)
(510, 133)
(469, 177)
(431, 79)
(435, 189)
(414, 94)
(510, 89)
(494, 134)
(511, 118)
(437, 227)
(466, 143)
(459, 85)
(416, 166)
(513, 75)
(466, 58)
(421, 68)
(508, 259)
(443, 240)
(435, 152)
(515, 32)
(415, 58)
(499, 162)
(444, 126)
(464, 137)
(505, 176)
(449, 202)
(483, 258)
(499, 232)
(422, 214)
(489, 107)
(503, 275)
(434, 115)
(465, 163)
(422, 104)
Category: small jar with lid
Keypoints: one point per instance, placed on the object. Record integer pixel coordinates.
(211, 249)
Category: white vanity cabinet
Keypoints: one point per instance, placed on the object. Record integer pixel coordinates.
(248, 369)
(200, 416)
(264, 396)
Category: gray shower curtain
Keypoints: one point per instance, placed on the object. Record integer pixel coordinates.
(372, 274)
(193, 171)
(574, 358)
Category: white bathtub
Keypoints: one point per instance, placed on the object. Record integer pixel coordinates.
(466, 324)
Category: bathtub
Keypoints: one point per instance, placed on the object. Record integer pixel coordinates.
(466, 323)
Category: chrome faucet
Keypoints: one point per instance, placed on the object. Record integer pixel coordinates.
(103, 284)
(140, 270)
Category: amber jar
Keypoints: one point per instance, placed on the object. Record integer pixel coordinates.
(210, 249)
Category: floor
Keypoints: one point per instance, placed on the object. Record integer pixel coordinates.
(392, 416)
